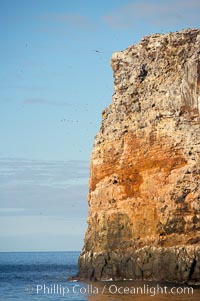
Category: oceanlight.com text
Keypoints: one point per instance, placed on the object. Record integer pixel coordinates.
(106, 289)
(149, 290)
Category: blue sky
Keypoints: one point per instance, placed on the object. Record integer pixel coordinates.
(53, 87)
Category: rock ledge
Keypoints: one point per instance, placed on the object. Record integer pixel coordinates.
(144, 192)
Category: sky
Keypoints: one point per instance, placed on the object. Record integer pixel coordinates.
(53, 88)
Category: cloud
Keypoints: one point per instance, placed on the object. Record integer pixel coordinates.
(41, 172)
(30, 225)
(43, 187)
(71, 19)
(76, 21)
(11, 210)
(41, 201)
(45, 102)
(154, 13)
(41, 233)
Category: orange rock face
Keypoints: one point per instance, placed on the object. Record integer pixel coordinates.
(144, 193)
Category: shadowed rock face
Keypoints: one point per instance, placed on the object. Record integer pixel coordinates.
(144, 191)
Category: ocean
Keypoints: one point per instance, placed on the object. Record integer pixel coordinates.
(35, 276)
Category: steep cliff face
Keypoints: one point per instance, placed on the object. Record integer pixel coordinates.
(144, 189)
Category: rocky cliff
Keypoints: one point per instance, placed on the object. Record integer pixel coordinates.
(144, 188)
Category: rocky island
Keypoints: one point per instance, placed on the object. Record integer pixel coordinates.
(144, 188)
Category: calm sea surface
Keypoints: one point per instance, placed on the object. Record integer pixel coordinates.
(43, 276)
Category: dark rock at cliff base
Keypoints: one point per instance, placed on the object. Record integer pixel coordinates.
(144, 192)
